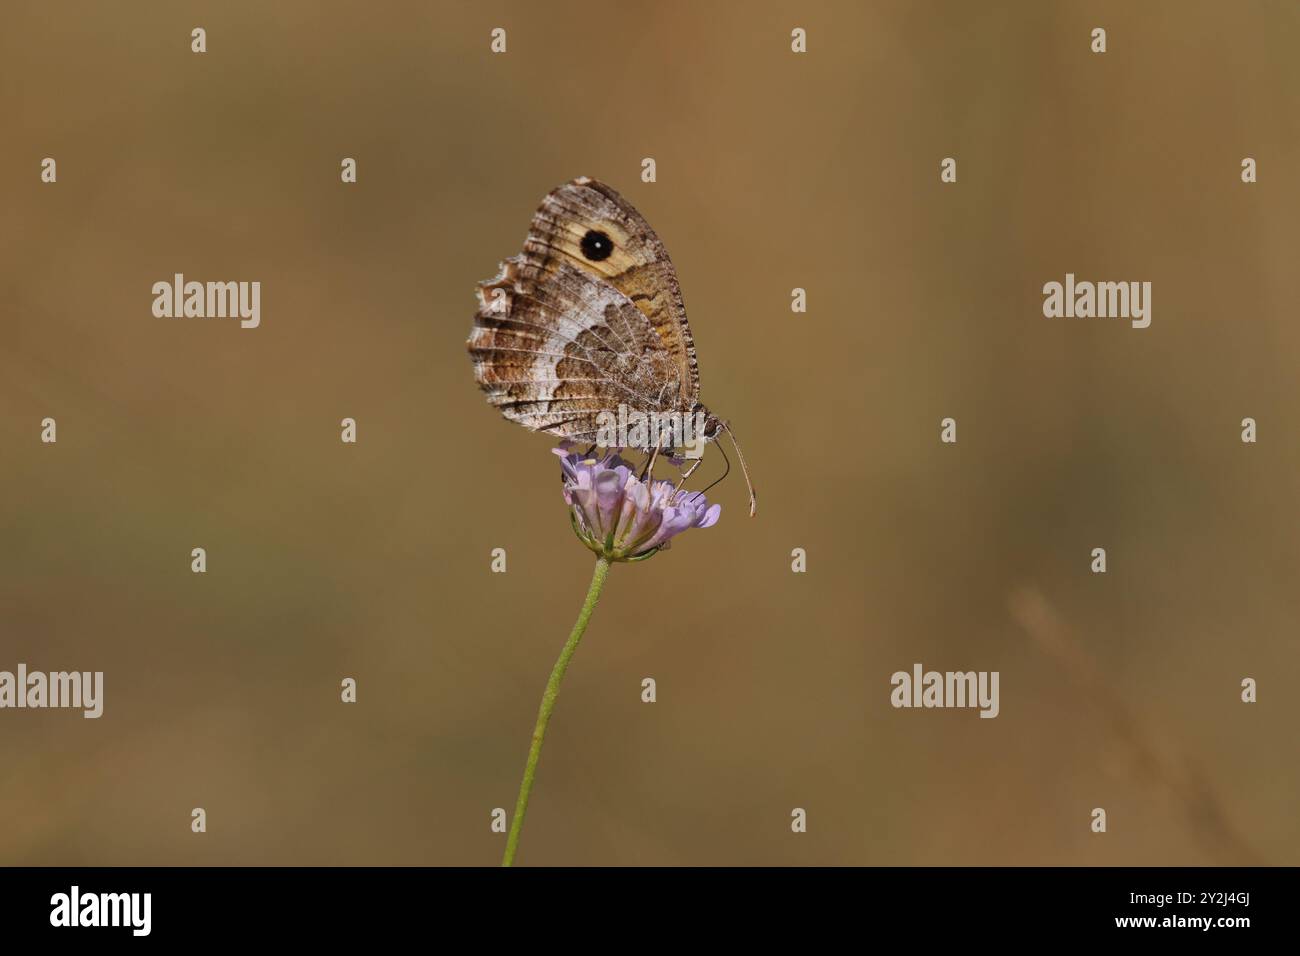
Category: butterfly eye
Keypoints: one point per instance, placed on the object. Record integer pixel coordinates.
(596, 245)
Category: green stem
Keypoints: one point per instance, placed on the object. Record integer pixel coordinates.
(548, 705)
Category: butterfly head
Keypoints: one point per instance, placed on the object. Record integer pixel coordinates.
(713, 425)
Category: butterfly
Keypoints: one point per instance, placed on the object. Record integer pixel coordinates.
(587, 324)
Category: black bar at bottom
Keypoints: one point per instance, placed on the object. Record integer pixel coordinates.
(490, 906)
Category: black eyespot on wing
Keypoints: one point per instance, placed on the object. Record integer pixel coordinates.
(597, 246)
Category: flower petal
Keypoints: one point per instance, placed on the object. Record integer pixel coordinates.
(622, 517)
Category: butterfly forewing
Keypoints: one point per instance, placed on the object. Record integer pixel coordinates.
(589, 226)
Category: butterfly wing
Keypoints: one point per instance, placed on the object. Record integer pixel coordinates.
(555, 347)
(588, 226)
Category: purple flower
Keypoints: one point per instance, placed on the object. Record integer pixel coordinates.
(621, 517)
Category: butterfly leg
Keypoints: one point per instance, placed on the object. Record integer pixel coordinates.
(688, 474)
(650, 463)
(689, 471)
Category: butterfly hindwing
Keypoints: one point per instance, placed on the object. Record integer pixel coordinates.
(555, 348)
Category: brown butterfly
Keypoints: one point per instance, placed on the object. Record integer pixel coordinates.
(588, 324)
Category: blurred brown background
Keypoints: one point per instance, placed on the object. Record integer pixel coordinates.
(774, 170)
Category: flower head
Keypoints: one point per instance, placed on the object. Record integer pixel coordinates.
(621, 517)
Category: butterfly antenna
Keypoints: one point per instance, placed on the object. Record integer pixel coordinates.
(753, 498)
(724, 474)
